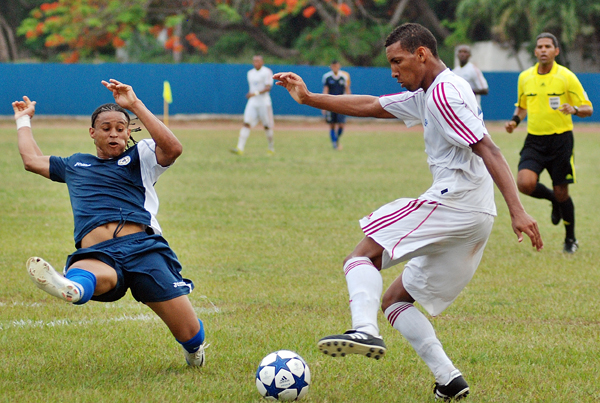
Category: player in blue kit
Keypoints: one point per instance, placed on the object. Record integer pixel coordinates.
(335, 82)
(118, 239)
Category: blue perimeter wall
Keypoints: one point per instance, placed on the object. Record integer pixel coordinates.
(75, 89)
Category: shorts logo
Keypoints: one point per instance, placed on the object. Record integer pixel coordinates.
(82, 164)
(182, 284)
(124, 161)
(426, 123)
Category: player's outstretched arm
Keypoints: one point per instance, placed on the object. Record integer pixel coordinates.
(500, 171)
(33, 158)
(351, 105)
(168, 147)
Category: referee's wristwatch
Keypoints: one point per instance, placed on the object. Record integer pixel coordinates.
(576, 110)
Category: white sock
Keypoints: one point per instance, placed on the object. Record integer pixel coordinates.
(364, 287)
(419, 332)
(270, 139)
(244, 134)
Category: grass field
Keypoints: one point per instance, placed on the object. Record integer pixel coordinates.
(263, 239)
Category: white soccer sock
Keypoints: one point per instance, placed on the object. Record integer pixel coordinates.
(415, 327)
(244, 134)
(364, 287)
(270, 139)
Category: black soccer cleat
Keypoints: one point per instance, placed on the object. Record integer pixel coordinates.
(353, 342)
(570, 246)
(456, 389)
(555, 216)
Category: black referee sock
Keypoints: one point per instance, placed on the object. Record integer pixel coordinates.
(567, 210)
(542, 192)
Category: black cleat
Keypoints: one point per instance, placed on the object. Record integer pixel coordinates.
(570, 246)
(456, 389)
(555, 216)
(353, 342)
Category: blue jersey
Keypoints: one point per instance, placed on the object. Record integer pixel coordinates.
(336, 84)
(111, 190)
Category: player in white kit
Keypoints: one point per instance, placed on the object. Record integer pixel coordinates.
(470, 72)
(442, 233)
(259, 107)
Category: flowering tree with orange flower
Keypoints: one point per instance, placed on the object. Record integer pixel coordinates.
(73, 29)
(301, 31)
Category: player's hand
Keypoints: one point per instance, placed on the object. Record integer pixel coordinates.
(523, 222)
(294, 84)
(567, 109)
(123, 93)
(510, 126)
(24, 107)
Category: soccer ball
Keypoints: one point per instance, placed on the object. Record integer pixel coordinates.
(283, 375)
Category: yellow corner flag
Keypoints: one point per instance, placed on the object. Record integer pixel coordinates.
(167, 95)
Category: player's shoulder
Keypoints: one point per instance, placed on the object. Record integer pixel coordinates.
(327, 75)
(528, 73)
(562, 70)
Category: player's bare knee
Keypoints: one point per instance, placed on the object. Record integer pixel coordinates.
(526, 187)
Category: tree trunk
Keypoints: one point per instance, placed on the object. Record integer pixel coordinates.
(259, 36)
(8, 46)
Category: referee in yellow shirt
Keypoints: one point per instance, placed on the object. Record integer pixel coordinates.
(548, 95)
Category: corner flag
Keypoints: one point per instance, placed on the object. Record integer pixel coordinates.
(167, 95)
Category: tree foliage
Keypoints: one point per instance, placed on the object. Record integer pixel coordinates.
(294, 31)
(518, 22)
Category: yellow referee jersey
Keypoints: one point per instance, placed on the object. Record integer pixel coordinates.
(543, 94)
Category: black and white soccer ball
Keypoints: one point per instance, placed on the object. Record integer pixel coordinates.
(283, 375)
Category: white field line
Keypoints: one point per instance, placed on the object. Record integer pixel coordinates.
(28, 323)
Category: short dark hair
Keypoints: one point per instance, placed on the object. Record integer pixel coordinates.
(547, 35)
(111, 107)
(411, 36)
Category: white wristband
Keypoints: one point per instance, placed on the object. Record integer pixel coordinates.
(23, 121)
(256, 93)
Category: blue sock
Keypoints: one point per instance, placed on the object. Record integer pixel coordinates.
(333, 136)
(339, 133)
(86, 282)
(192, 345)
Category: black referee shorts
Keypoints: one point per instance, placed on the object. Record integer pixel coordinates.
(553, 153)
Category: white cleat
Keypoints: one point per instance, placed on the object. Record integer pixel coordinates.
(196, 359)
(46, 278)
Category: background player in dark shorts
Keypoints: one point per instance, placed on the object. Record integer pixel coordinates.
(549, 94)
(336, 82)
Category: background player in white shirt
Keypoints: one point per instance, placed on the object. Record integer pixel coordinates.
(470, 72)
(259, 107)
(442, 234)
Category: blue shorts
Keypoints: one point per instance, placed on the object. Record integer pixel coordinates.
(332, 117)
(144, 263)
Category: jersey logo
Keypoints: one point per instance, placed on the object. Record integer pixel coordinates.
(554, 102)
(426, 123)
(124, 161)
(82, 164)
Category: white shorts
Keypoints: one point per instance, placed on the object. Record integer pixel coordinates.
(444, 246)
(255, 113)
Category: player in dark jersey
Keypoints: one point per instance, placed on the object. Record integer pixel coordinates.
(335, 82)
(118, 239)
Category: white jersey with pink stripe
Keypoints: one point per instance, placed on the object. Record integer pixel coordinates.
(452, 122)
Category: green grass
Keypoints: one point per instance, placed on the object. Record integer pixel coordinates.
(263, 239)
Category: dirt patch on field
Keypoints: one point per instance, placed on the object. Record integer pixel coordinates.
(286, 123)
